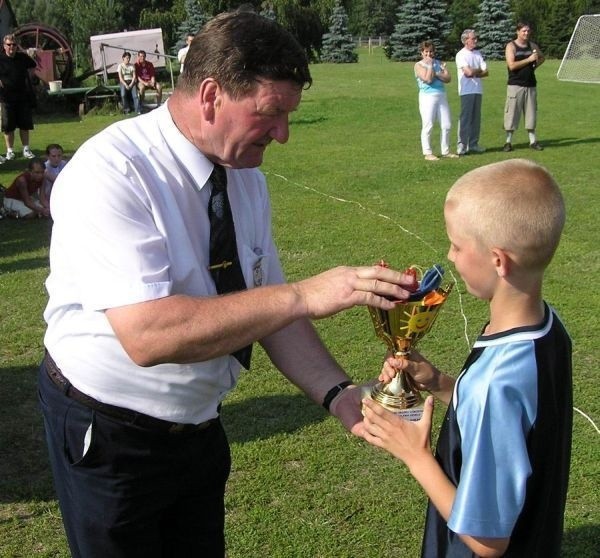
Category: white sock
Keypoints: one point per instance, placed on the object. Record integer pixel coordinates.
(532, 138)
(509, 137)
(9, 150)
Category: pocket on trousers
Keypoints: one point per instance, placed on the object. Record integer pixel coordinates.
(511, 101)
(78, 434)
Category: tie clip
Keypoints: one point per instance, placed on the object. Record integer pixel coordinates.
(223, 265)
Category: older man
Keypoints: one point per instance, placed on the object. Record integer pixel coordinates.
(147, 326)
(471, 69)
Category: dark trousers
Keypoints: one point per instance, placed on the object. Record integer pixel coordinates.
(469, 122)
(134, 492)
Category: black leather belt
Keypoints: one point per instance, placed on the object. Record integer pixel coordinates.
(119, 413)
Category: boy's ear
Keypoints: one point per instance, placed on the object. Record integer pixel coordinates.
(502, 262)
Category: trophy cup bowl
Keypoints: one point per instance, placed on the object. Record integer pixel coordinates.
(401, 328)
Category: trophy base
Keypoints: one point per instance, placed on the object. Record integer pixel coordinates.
(408, 405)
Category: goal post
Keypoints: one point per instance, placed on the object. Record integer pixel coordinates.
(581, 61)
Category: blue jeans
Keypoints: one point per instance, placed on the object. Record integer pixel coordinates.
(134, 492)
(125, 98)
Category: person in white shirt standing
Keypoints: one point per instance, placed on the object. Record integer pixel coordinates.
(471, 69)
(183, 51)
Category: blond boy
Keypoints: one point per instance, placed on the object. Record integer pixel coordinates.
(498, 481)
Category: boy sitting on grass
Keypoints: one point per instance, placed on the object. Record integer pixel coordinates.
(498, 482)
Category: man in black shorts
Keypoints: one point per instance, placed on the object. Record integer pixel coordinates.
(15, 96)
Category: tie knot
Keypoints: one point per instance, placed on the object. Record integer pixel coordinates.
(218, 178)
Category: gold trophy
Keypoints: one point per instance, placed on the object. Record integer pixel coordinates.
(401, 328)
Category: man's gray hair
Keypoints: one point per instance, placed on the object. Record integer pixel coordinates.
(465, 34)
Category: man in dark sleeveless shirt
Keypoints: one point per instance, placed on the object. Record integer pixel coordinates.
(522, 58)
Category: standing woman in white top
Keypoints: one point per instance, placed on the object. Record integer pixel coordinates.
(431, 75)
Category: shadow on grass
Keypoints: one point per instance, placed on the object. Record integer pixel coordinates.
(583, 542)
(308, 120)
(551, 143)
(262, 417)
(18, 236)
(24, 467)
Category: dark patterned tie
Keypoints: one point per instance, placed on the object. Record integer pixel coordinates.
(224, 261)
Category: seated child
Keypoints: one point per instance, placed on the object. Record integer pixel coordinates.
(54, 164)
(497, 485)
(25, 197)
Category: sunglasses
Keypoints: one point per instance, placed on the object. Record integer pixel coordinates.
(10, 44)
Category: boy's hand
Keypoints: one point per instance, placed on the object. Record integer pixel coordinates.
(419, 368)
(405, 440)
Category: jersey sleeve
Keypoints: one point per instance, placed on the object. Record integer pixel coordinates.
(496, 408)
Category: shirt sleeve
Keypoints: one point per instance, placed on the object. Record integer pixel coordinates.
(496, 409)
(110, 272)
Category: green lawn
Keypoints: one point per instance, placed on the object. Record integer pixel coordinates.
(351, 187)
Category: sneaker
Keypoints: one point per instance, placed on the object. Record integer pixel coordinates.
(476, 149)
(450, 156)
(10, 155)
(431, 157)
(27, 153)
(507, 147)
(2, 161)
(536, 146)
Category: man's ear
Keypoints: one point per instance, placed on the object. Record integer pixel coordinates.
(502, 262)
(210, 98)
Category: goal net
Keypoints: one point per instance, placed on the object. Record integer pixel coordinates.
(581, 61)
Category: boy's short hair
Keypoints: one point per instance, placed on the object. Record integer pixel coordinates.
(515, 205)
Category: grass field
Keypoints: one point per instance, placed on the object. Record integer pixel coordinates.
(351, 187)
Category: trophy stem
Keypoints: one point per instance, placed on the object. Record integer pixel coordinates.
(399, 396)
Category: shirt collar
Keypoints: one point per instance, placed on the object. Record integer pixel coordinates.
(190, 157)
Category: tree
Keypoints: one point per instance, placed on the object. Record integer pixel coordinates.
(419, 21)
(557, 29)
(372, 18)
(195, 19)
(338, 46)
(463, 14)
(87, 18)
(495, 27)
(46, 11)
(304, 23)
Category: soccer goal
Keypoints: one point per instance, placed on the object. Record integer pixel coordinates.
(581, 61)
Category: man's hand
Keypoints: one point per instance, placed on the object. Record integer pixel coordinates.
(344, 287)
(347, 408)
